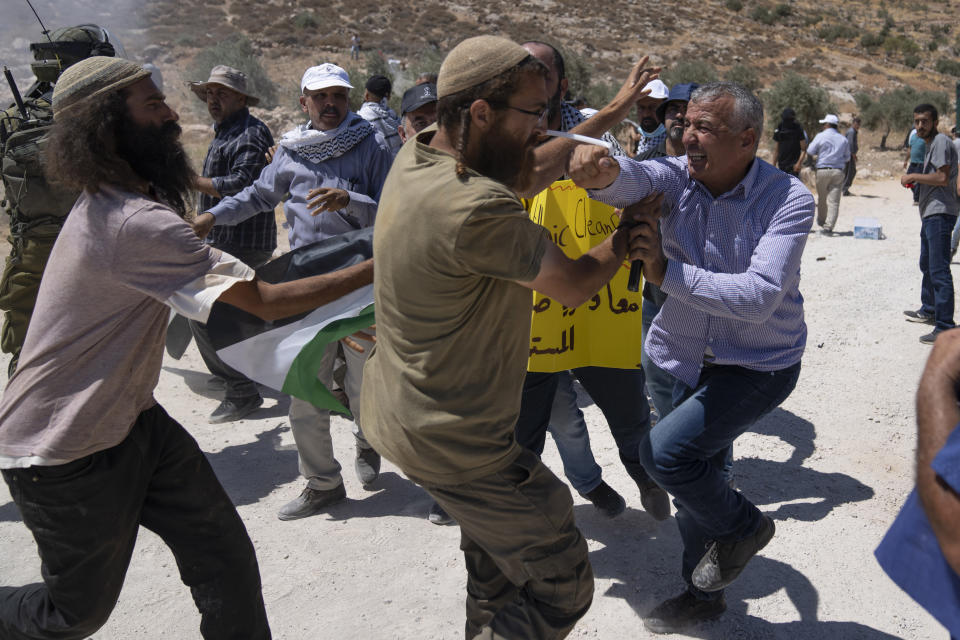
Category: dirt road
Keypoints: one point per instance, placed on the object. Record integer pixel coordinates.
(832, 467)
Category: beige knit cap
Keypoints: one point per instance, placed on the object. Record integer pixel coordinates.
(476, 60)
(93, 77)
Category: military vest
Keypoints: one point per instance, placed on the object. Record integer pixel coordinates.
(29, 199)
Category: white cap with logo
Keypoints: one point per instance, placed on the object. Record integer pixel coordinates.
(323, 76)
(830, 119)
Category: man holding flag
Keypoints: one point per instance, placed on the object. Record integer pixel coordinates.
(333, 166)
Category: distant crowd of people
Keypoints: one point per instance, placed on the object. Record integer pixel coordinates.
(440, 386)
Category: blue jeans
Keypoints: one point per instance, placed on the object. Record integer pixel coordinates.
(617, 392)
(936, 287)
(685, 455)
(662, 386)
(570, 434)
(659, 382)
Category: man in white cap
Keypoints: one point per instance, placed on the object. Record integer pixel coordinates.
(457, 256)
(234, 160)
(87, 452)
(651, 132)
(333, 167)
(832, 152)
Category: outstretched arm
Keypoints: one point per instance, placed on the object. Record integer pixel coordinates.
(551, 157)
(274, 301)
(937, 417)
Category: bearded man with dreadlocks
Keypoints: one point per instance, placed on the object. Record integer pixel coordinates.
(457, 256)
(88, 454)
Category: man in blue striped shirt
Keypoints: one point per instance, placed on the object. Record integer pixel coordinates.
(732, 330)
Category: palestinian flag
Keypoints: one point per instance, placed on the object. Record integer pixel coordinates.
(285, 354)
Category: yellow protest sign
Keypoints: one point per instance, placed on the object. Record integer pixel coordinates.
(606, 330)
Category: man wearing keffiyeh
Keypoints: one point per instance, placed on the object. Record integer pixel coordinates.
(333, 167)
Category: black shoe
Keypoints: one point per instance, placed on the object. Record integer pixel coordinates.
(724, 561)
(681, 612)
(367, 464)
(311, 501)
(846, 193)
(438, 516)
(931, 337)
(919, 316)
(655, 501)
(606, 500)
(234, 409)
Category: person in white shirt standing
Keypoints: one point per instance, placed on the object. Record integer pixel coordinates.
(832, 151)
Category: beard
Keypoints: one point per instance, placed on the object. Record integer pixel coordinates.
(675, 131)
(501, 160)
(156, 155)
(649, 124)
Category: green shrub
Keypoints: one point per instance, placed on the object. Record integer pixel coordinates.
(733, 5)
(236, 51)
(894, 109)
(948, 67)
(811, 19)
(761, 13)
(745, 75)
(797, 92)
(903, 44)
(782, 10)
(306, 20)
(689, 71)
(837, 31)
(871, 40)
(911, 60)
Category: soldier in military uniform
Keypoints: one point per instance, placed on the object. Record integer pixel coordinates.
(37, 209)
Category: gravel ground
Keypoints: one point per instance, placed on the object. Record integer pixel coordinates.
(832, 466)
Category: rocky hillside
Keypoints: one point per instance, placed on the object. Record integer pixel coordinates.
(845, 46)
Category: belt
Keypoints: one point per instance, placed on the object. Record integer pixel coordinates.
(834, 168)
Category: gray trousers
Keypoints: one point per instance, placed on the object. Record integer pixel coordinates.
(829, 184)
(311, 426)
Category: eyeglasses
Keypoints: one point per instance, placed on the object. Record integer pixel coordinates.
(540, 115)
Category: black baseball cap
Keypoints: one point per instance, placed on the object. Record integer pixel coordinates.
(417, 96)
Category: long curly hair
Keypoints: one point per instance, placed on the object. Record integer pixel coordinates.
(98, 144)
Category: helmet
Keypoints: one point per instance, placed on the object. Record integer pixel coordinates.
(69, 45)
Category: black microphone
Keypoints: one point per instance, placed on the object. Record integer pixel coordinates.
(633, 284)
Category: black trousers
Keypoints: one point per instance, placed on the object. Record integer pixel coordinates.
(84, 516)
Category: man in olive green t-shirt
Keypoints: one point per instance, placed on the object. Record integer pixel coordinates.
(456, 257)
